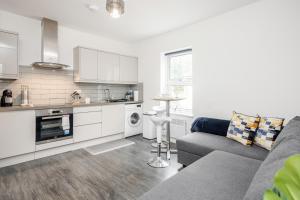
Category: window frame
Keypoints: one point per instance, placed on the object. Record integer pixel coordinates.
(169, 82)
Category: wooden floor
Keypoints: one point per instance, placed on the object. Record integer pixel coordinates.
(119, 174)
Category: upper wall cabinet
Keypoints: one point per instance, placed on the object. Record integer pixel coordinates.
(108, 67)
(9, 55)
(85, 65)
(128, 69)
(93, 66)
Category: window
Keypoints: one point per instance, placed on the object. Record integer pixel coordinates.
(178, 80)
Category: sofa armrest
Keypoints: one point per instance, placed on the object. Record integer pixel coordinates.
(210, 125)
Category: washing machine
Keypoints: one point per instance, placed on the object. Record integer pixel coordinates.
(133, 119)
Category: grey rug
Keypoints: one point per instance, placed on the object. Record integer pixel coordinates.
(110, 146)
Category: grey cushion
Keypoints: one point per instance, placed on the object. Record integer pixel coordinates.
(186, 158)
(288, 145)
(291, 130)
(219, 175)
(203, 143)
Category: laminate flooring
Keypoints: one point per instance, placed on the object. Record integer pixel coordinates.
(122, 174)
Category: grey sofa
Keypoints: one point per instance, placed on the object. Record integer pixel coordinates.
(224, 169)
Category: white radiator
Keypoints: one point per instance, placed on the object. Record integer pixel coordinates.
(178, 127)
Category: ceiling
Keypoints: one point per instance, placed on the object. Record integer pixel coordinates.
(142, 19)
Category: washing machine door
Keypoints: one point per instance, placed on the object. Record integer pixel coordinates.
(134, 119)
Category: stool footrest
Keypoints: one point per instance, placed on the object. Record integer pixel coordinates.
(158, 162)
(154, 145)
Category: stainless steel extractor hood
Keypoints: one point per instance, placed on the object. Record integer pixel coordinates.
(49, 46)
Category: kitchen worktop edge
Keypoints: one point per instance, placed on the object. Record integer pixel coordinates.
(42, 107)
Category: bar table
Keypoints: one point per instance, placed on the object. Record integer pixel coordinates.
(168, 99)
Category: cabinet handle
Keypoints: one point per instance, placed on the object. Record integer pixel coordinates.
(54, 117)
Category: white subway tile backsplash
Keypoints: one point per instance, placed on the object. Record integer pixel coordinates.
(56, 87)
(57, 101)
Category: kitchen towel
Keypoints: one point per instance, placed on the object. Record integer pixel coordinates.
(66, 122)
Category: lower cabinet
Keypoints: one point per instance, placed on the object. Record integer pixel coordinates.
(87, 123)
(95, 122)
(87, 132)
(113, 119)
(87, 118)
(17, 133)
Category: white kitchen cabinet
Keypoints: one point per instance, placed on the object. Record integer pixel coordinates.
(113, 119)
(128, 69)
(85, 65)
(87, 118)
(9, 68)
(87, 123)
(95, 66)
(86, 109)
(17, 134)
(87, 132)
(108, 67)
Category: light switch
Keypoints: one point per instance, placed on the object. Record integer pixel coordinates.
(1, 68)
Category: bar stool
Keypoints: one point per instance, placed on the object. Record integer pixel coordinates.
(160, 111)
(149, 131)
(159, 122)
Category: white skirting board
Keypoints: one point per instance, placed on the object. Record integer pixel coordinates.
(16, 160)
(57, 150)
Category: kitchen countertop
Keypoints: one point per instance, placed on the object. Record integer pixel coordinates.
(68, 105)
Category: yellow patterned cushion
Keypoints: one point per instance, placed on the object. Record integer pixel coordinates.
(267, 131)
(242, 128)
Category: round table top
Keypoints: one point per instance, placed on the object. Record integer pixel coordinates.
(168, 98)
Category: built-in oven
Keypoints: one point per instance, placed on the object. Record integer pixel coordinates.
(53, 125)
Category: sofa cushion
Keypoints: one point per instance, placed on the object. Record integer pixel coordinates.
(263, 179)
(242, 128)
(186, 158)
(203, 143)
(267, 132)
(288, 145)
(219, 175)
(291, 130)
(210, 125)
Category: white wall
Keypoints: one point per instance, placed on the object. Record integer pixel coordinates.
(246, 60)
(70, 38)
(30, 39)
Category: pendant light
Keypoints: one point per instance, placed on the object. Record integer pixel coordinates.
(115, 8)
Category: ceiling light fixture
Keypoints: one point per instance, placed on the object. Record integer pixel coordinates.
(115, 8)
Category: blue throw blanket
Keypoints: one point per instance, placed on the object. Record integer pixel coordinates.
(210, 125)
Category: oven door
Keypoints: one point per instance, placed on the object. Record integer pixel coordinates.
(54, 127)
